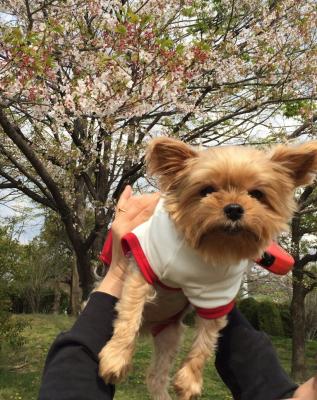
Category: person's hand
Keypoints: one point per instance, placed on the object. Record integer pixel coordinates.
(131, 211)
(306, 391)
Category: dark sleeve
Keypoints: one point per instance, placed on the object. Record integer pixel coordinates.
(71, 368)
(248, 363)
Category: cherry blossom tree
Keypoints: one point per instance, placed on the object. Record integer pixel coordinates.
(84, 84)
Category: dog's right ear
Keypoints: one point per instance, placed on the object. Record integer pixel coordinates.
(166, 158)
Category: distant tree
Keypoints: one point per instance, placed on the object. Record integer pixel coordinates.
(10, 330)
(304, 250)
(46, 265)
(85, 84)
(311, 315)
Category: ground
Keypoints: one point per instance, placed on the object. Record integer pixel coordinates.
(20, 370)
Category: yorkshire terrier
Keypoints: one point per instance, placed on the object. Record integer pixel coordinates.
(220, 209)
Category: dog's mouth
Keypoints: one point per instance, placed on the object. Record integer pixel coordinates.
(234, 230)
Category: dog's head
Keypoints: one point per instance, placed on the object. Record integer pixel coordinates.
(230, 202)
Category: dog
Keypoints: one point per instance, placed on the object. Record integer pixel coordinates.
(220, 209)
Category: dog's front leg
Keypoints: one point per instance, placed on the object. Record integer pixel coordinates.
(189, 379)
(115, 357)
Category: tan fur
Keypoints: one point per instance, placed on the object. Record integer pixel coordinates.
(166, 345)
(115, 358)
(234, 173)
(189, 380)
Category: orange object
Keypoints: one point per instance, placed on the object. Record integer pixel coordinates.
(276, 260)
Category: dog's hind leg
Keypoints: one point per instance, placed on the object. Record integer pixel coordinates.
(115, 358)
(189, 379)
(166, 344)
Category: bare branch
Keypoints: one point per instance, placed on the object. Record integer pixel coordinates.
(301, 130)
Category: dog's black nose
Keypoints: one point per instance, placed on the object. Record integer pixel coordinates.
(233, 211)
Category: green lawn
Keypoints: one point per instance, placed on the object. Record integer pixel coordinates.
(20, 371)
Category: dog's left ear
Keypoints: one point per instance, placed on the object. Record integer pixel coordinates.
(299, 162)
(166, 158)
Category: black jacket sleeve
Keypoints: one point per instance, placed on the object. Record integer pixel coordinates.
(71, 368)
(248, 363)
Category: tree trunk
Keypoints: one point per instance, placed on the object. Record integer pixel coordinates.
(86, 280)
(57, 298)
(75, 291)
(298, 318)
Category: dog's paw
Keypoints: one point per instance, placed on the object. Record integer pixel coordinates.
(114, 364)
(187, 383)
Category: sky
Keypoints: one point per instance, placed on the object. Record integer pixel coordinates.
(32, 218)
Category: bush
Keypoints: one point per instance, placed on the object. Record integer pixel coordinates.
(249, 308)
(10, 329)
(273, 318)
(270, 319)
(286, 319)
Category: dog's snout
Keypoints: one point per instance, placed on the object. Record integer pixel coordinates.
(233, 211)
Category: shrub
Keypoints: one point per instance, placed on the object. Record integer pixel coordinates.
(10, 329)
(249, 308)
(269, 318)
(286, 319)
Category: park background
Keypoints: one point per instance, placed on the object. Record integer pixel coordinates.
(84, 86)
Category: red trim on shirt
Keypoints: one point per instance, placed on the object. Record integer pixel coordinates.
(106, 252)
(130, 243)
(156, 329)
(217, 312)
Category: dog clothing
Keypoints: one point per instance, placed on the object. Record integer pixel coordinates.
(164, 258)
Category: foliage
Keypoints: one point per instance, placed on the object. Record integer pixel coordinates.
(249, 308)
(286, 319)
(44, 267)
(270, 319)
(10, 330)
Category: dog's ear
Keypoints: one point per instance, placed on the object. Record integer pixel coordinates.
(166, 158)
(299, 162)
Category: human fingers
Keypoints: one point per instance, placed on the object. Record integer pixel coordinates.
(145, 213)
(124, 197)
(137, 210)
(135, 205)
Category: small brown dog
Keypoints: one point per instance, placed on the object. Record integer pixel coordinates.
(220, 209)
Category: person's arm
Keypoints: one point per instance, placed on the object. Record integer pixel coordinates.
(248, 364)
(71, 368)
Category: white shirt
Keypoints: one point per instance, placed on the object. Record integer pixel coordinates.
(163, 255)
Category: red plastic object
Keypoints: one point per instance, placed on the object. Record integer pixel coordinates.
(276, 260)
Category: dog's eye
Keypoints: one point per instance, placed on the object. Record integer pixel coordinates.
(256, 194)
(207, 190)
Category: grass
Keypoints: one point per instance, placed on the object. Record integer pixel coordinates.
(20, 370)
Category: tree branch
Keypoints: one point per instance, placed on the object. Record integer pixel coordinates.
(307, 259)
(26, 174)
(65, 212)
(299, 131)
(7, 186)
(27, 191)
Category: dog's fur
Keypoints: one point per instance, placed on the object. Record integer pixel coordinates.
(263, 184)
